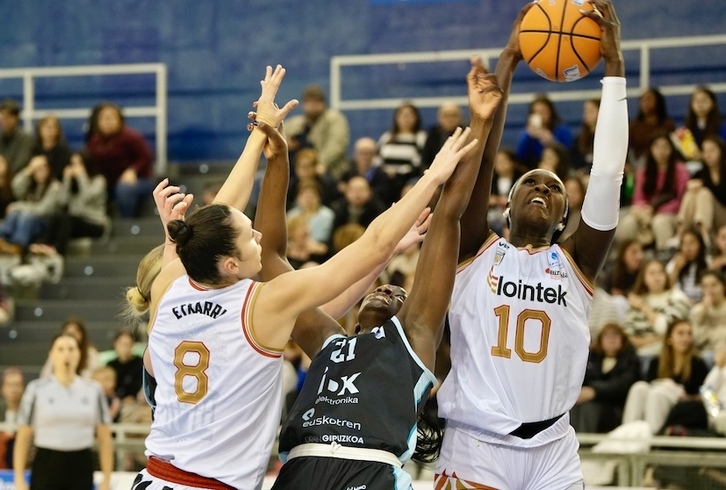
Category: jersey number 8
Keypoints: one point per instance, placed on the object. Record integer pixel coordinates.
(196, 371)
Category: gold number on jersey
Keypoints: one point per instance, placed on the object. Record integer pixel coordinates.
(501, 350)
(196, 371)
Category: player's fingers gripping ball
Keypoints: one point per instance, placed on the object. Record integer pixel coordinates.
(558, 42)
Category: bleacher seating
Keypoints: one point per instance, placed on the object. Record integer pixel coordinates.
(95, 276)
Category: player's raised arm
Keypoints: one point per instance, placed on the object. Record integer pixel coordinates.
(474, 225)
(422, 314)
(293, 293)
(313, 326)
(237, 188)
(270, 216)
(589, 245)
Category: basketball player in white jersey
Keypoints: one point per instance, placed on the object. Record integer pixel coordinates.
(519, 335)
(216, 336)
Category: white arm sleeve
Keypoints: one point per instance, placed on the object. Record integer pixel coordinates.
(602, 200)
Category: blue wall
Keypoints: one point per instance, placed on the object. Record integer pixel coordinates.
(216, 51)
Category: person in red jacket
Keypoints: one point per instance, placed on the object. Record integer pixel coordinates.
(124, 157)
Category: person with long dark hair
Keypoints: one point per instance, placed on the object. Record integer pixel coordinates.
(652, 118)
(123, 156)
(84, 215)
(688, 263)
(612, 368)
(400, 147)
(703, 117)
(674, 376)
(544, 126)
(38, 196)
(659, 189)
(625, 268)
(704, 203)
(708, 316)
(652, 305)
(51, 142)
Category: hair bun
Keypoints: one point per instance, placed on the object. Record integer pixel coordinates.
(179, 231)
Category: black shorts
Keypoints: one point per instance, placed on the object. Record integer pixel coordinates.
(62, 470)
(335, 474)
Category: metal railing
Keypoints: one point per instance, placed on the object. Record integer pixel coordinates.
(707, 452)
(644, 47)
(158, 110)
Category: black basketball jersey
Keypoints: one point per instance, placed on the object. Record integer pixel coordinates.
(364, 391)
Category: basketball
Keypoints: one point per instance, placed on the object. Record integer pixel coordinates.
(558, 42)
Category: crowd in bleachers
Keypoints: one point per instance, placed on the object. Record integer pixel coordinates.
(659, 316)
(51, 193)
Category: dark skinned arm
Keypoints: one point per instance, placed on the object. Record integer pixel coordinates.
(313, 326)
(474, 225)
(237, 186)
(589, 247)
(422, 314)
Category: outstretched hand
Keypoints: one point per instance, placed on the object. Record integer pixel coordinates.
(603, 12)
(417, 232)
(484, 91)
(267, 110)
(171, 203)
(450, 154)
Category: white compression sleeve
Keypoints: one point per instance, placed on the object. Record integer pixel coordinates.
(602, 200)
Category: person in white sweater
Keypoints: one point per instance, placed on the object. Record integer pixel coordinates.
(84, 198)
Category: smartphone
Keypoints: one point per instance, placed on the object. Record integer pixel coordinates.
(535, 121)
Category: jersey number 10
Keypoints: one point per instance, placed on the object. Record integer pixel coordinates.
(501, 349)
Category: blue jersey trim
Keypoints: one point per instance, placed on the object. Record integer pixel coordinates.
(426, 371)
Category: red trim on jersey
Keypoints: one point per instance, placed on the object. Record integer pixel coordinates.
(246, 310)
(491, 240)
(584, 280)
(166, 471)
(442, 480)
(196, 286)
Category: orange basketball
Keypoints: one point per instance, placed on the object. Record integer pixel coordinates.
(558, 42)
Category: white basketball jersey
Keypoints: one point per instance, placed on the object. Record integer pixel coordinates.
(519, 341)
(219, 393)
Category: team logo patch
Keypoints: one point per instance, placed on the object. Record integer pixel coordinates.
(556, 269)
(501, 251)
